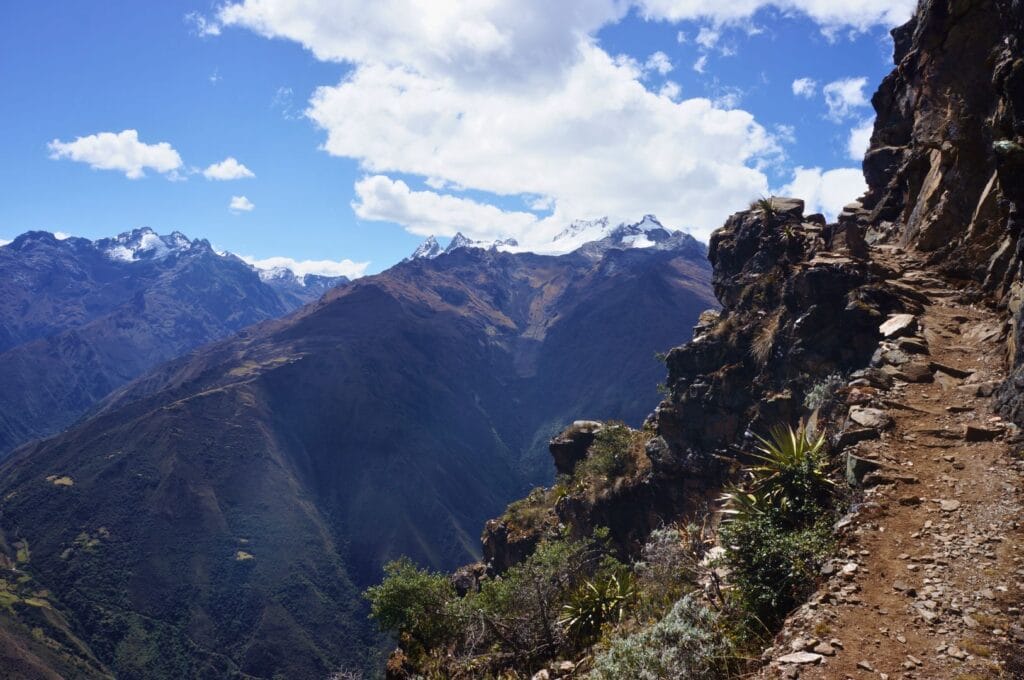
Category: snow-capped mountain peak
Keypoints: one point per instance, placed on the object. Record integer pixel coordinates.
(143, 244)
(459, 241)
(581, 231)
(429, 249)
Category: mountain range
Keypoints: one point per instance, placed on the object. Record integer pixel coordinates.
(80, 318)
(216, 516)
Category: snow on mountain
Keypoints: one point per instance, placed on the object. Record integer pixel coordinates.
(589, 236)
(429, 249)
(461, 241)
(578, 233)
(143, 244)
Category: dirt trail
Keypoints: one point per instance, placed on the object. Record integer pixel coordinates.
(931, 580)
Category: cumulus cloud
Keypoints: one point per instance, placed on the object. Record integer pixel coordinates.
(659, 62)
(227, 169)
(601, 145)
(347, 268)
(120, 151)
(671, 90)
(701, 65)
(844, 97)
(500, 42)
(860, 139)
(805, 87)
(430, 213)
(826, 191)
(517, 100)
(829, 14)
(240, 204)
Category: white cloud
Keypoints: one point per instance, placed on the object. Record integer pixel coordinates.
(202, 26)
(670, 90)
(708, 37)
(240, 204)
(785, 133)
(600, 144)
(348, 268)
(805, 87)
(829, 14)
(860, 139)
(516, 99)
(227, 169)
(429, 213)
(659, 62)
(119, 151)
(499, 42)
(826, 192)
(844, 97)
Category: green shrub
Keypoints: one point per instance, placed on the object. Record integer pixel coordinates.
(778, 530)
(597, 602)
(415, 604)
(520, 609)
(617, 452)
(789, 475)
(690, 643)
(670, 565)
(773, 567)
(823, 393)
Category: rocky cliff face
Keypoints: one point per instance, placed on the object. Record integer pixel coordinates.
(798, 305)
(946, 164)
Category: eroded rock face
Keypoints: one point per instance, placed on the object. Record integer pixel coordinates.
(793, 310)
(946, 163)
(952, 103)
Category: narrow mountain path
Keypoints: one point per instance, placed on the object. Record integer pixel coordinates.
(930, 581)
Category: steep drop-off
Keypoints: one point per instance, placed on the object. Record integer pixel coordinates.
(211, 518)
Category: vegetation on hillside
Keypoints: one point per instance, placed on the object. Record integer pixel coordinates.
(692, 604)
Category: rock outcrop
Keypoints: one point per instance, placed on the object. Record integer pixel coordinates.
(946, 165)
(794, 312)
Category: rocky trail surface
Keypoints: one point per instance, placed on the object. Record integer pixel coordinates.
(929, 582)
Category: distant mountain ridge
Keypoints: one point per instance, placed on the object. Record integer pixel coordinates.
(79, 318)
(247, 490)
(646, 233)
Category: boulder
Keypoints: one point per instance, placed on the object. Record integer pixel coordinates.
(790, 207)
(898, 325)
(980, 433)
(570, 447)
(857, 468)
(868, 417)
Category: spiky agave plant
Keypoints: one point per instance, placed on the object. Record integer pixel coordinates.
(791, 471)
(766, 206)
(741, 503)
(597, 603)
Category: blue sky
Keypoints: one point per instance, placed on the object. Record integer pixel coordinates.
(503, 119)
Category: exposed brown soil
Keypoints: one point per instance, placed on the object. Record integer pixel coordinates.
(931, 579)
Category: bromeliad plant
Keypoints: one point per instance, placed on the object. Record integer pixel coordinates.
(789, 476)
(596, 603)
(778, 529)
